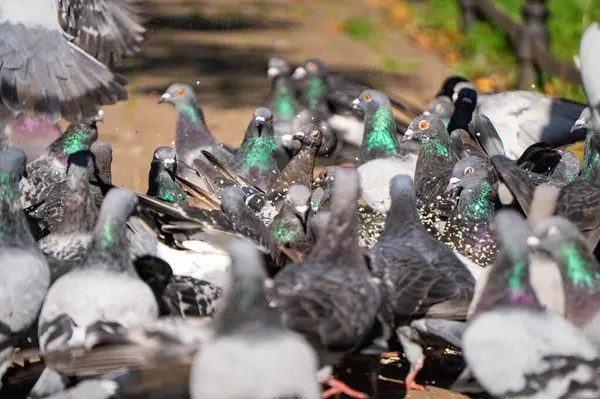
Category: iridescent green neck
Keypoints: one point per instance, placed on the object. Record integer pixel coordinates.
(315, 92)
(476, 202)
(580, 271)
(76, 141)
(284, 107)
(190, 111)
(283, 230)
(436, 147)
(107, 237)
(257, 152)
(380, 133)
(591, 162)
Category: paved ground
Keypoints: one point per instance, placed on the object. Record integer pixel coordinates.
(223, 50)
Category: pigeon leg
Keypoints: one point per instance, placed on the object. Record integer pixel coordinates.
(338, 387)
(410, 340)
(389, 355)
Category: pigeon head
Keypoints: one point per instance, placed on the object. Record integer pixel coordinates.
(557, 229)
(262, 120)
(78, 136)
(278, 66)
(326, 176)
(370, 101)
(309, 135)
(178, 94)
(442, 107)
(81, 167)
(466, 98)
(424, 127)
(297, 198)
(103, 154)
(591, 154)
(166, 157)
(402, 190)
(312, 67)
(468, 172)
(449, 84)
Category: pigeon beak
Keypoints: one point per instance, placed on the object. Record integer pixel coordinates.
(272, 72)
(165, 98)
(299, 73)
(100, 116)
(453, 184)
(426, 112)
(408, 135)
(302, 212)
(259, 121)
(467, 100)
(356, 104)
(298, 136)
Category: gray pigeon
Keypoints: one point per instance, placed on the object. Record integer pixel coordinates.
(103, 154)
(380, 157)
(331, 297)
(24, 273)
(44, 74)
(249, 333)
(589, 57)
(513, 346)
(289, 227)
(161, 179)
(72, 235)
(191, 134)
(426, 288)
(104, 287)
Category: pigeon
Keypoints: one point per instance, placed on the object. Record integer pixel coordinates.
(591, 157)
(103, 154)
(289, 227)
(161, 180)
(513, 346)
(25, 275)
(539, 158)
(71, 237)
(434, 167)
(464, 105)
(451, 85)
(469, 230)
(255, 159)
(104, 287)
(249, 333)
(191, 134)
(588, 55)
(442, 108)
(301, 167)
(380, 157)
(426, 288)
(47, 174)
(561, 241)
(331, 297)
(51, 77)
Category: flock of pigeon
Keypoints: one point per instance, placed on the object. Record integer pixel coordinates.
(241, 275)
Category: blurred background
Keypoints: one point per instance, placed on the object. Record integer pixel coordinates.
(221, 47)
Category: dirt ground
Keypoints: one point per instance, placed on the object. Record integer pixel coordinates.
(221, 47)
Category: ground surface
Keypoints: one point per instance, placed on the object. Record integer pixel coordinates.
(222, 47)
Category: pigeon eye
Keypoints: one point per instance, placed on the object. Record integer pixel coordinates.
(423, 125)
(271, 120)
(314, 134)
(468, 171)
(325, 174)
(367, 97)
(594, 134)
(180, 92)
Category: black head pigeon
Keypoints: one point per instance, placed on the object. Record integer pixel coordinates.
(255, 159)
(47, 175)
(72, 235)
(469, 230)
(464, 105)
(24, 270)
(191, 134)
(247, 332)
(51, 77)
(103, 287)
(448, 87)
(426, 288)
(380, 157)
(562, 242)
(331, 297)
(161, 180)
(434, 167)
(537, 353)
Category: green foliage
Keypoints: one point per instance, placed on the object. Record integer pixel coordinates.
(359, 28)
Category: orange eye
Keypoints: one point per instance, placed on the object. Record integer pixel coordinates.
(180, 92)
(468, 171)
(367, 97)
(252, 116)
(423, 125)
(271, 120)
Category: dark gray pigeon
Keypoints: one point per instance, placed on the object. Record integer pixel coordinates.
(513, 346)
(161, 180)
(191, 134)
(103, 154)
(380, 157)
(469, 230)
(255, 159)
(51, 77)
(24, 272)
(104, 287)
(248, 333)
(331, 297)
(72, 234)
(465, 102)
(47, 175)
(426, 288)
